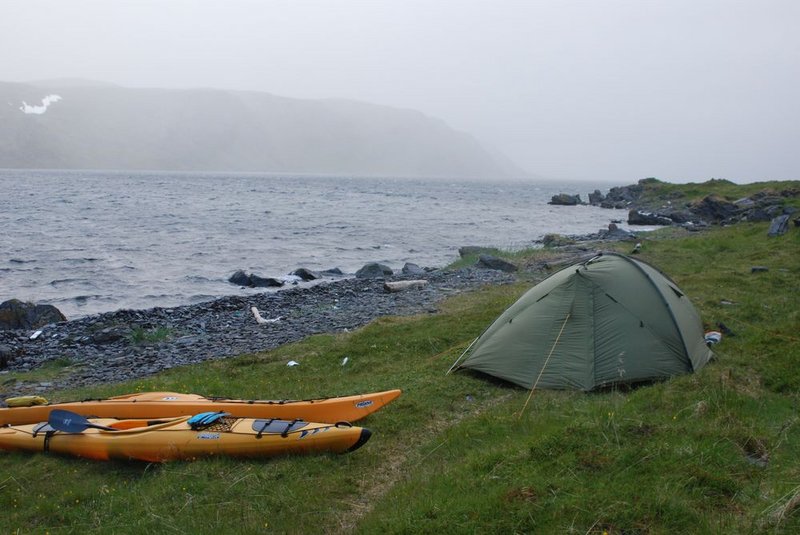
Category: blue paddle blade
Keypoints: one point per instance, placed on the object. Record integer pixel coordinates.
(71, 422)
(204, 419)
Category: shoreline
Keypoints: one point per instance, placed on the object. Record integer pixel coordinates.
(126, 344)
(117, 346)
(142, 242)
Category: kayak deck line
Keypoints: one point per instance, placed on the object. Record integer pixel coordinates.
(154, 405)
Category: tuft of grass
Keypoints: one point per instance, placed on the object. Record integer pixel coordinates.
(471, 259)
(140, 335)
(523, 258)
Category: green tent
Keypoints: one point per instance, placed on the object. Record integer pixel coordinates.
(610, 320)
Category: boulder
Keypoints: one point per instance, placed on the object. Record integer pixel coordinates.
(767, 198)
(714, 209)
(264, 282)
(332, 272)
(622, 196)
(373, 270)
(757, 215)
(14, 314)
(775, 210)
(565, 199)
(596, 198)
(681, 216)
(492, 262)
(306, 274)
(240, 278)
(779, 226)
(254, 281)
(614, 205)
(7, 354)
(556, 240)
(792, 192)
(635, 217)
(110, 335)
(616, 233)
(412, 269)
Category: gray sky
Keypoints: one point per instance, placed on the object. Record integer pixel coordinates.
(614, 90)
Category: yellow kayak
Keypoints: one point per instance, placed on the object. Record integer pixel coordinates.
(170, 404)
(178, 439)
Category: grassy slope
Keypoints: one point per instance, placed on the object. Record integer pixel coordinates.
(656, 191)
(717, 451)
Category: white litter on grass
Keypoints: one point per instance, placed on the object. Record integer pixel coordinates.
(293, 363)
(713, 337)
(344, 360)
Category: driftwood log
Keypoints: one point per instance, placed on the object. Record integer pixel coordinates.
(259, 319)
(400, 286)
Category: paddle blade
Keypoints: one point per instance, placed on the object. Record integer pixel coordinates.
(71, 422)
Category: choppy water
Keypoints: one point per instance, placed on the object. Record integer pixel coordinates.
(91, 242)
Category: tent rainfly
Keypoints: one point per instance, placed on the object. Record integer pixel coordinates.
(610, 320)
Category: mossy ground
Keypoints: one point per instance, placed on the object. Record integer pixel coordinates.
(655, 191)
(713, 452)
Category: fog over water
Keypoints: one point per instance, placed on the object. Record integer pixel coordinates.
(612, 90)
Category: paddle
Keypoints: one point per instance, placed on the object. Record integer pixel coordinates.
(71, 422)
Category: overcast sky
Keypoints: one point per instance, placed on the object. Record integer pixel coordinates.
(614, 90)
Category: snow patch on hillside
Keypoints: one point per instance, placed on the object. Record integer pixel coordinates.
(38, 110)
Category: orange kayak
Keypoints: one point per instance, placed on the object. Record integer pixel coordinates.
(171, 404)
(175, 439)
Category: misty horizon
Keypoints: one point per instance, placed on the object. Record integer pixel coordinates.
(613, 91)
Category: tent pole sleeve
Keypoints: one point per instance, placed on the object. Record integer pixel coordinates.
(461, 356)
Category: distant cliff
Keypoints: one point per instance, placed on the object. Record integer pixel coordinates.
(69, 125)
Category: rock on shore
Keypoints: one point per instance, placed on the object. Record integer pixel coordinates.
(565, 199)
(15, 314)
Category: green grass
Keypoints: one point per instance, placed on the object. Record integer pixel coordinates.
(656, 190)
(713, 452)
(48, 371)
(140, 335)
(470, 259)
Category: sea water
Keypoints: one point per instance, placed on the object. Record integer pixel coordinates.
(95, 241)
